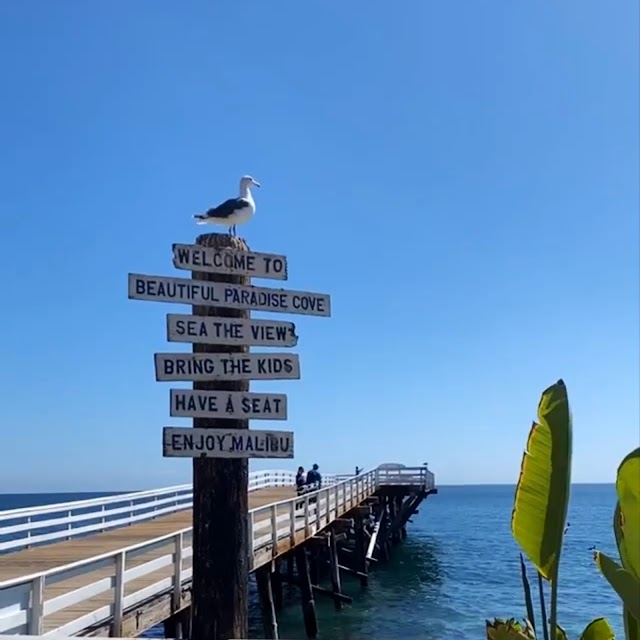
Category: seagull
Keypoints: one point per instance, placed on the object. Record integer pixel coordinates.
(234, 210)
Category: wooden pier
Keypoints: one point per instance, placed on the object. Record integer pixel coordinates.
(117, 566)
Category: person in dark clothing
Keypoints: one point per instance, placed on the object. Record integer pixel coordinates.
(300, 480)
(314, 476)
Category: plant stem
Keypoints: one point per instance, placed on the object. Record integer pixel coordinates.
(543, 607)
(553, 616)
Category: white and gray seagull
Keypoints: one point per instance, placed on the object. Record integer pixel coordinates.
(234, 210)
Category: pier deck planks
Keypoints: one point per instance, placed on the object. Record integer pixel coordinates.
(29, 561)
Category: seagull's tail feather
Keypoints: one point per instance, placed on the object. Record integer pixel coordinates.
(200, 219)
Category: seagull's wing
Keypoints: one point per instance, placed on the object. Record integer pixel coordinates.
(228, 207)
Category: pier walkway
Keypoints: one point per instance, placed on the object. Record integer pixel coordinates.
(122, 564)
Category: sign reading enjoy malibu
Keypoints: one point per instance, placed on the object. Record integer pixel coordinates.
(181, 442)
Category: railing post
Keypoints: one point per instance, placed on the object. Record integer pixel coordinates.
(69, 523)
(28, 532)
(36, 613)
(103, 520)
(292, 523)
(177, 572)
(306, 516)
(118, 596)
(336, 492)
(130, 512)
(274, 530)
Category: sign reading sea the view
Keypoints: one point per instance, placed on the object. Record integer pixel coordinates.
(201, 367)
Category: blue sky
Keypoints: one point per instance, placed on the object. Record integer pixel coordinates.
(462, 178)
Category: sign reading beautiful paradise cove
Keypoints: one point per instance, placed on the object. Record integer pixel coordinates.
(202, 366)
(222, 294)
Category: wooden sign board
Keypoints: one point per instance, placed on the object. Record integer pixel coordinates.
(222, 294)
(230, 331)
(188, 403)
(226, 366)
(185, 442)
(242, 263)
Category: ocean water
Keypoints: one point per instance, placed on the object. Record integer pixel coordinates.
(458, 567)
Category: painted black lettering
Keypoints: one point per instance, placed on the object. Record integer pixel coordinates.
(183, 256)
(175, 442)
(179, 402)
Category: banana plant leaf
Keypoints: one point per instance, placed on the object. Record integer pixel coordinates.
(623, 582)
(598, 629)
(631, 625)
(627, 522)
(561, 634)
(542, 493)
(508, 630)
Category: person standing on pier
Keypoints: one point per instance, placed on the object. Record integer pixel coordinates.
(300, 480)
(314, 477)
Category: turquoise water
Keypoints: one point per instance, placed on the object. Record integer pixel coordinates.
(458, 566)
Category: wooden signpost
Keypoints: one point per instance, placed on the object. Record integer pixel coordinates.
(221, 367)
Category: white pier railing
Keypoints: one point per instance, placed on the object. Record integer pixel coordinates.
(30, 526)
(52, 602)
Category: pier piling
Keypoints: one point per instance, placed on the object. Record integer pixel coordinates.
(306, 593)
(267, 603)
(334, 568)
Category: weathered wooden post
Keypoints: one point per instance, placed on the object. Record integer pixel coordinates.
(221, 406)
(306, 593)
(334, 567)
(220, 495)
(267, 602)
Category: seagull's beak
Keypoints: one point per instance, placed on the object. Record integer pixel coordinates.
(256, 184)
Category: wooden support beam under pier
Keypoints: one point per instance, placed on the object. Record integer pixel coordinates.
(306, 593)
(267, 603)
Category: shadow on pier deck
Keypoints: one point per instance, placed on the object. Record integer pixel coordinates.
(124, 581)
